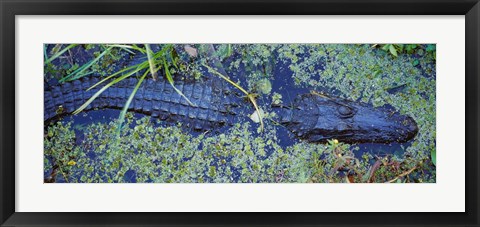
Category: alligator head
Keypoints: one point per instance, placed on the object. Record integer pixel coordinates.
(318, 118)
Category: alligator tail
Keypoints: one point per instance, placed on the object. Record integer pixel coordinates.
(214, 103)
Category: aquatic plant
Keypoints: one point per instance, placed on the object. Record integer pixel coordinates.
(148, 153)
(395, 49)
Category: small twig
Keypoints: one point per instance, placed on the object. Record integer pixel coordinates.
(64, 175)
(402, 175)
(372, 170)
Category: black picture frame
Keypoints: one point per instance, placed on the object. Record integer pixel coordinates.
(10, 8)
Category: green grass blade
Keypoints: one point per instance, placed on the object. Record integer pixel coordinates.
(90, 100)
(174, 60)
(121, 118)
(59, 53)
(45, 55)
(84, 67)
(161, 54)
(225, 78)
(153, 71)
(433, 155)
(142, 50)
(125, 48)
(170, 80)
(393, 51)
(135, 69)
(229, 50)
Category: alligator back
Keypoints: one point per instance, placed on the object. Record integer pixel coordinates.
(214, 103)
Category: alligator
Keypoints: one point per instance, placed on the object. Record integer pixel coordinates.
(311, 117)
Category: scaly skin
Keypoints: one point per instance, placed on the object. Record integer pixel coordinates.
(318, 118)
(215, 104)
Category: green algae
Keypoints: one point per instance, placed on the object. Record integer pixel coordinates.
(166, 154)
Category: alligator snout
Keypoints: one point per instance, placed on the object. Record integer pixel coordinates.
(318, 118)
(407, 127)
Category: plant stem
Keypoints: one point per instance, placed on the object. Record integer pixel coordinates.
(121, 118)
(153, 71)
(250, 96)
(170, 80)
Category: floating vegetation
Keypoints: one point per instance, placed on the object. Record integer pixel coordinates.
(166, 131)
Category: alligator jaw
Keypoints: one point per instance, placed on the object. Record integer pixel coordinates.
(318, 118)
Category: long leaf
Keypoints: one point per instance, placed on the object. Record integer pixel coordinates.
(153, 71)
(121, 118)
(161, 54)
(84, 67)
(170, 80)
(226, 78)
(174, 60)
(127, 47)
(393, 51)
(90, 100)
(45, 56)
(123, 47)
(59, 53)
(137, 67)
(138, 48)
(433, 154)
(229, 50)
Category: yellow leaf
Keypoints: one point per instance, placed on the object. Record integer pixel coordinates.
(191, 51)
(255, 116)
(71, 163)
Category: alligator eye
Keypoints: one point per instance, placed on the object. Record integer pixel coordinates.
(345, 111)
